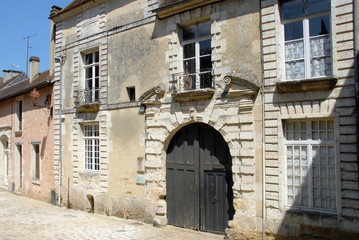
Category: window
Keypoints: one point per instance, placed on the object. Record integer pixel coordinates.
(18, 164)
(310, 164)
(197, 62)
(92, 81)
(307, 38)
(131, 91)
(18, 115)
(35, 161)
(92, 147)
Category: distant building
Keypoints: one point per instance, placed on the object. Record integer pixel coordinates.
(26, 133)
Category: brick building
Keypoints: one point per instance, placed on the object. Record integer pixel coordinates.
(26, 133)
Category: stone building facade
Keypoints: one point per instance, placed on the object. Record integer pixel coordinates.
(180, 112)
(310, 117)
(26, 133)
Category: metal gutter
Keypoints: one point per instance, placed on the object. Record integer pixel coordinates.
(263, 128)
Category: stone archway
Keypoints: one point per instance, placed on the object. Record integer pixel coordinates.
(199, 179)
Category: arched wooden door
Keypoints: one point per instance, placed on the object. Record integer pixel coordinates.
(199, 179)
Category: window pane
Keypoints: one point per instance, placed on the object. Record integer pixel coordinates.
(320, 46)
(205, 47)
(317, 6)
(294, 50)
(205, 64)
(189, 32)
(88, 58)
(321, 67)
(88, 85)
(88, 72)
(206, 80)
(190, 66)
(294, 70)
(319, 26)
(204, 29)
(293, 9)
(189, 50)
(97, 57)
(293, 30)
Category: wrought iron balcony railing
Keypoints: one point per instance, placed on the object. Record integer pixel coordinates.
(183, 82)
(86, 96)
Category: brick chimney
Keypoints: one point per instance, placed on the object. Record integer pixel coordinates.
(34, 67)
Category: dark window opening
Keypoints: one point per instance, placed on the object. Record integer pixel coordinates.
(131, 91)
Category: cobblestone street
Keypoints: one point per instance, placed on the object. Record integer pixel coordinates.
(26, 218)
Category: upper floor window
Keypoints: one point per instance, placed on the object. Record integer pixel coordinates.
(310, 164)
(92, 146)
(308, 51)
(18, 109)
(196, 57)
(92, 79)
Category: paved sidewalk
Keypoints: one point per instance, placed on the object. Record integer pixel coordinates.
(28, 219)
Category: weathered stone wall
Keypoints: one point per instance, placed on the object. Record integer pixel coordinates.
(237, 117)
(117, 188)
(138, 50)
(337, 103)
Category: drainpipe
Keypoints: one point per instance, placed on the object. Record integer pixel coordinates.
(61, 61)
(263, 128)
(356, 66)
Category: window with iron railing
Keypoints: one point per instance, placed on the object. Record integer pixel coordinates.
(91, 92)
(196, 57)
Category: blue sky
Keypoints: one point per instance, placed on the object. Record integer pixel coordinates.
(22, 18)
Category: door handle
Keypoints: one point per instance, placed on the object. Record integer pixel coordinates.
(214, 200)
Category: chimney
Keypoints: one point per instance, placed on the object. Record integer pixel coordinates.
(55, 10)
(34, 67)
(8, 74)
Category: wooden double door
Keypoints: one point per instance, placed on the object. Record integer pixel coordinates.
(199, 179)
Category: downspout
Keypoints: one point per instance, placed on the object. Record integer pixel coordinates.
(263, 126)
(356, 67)
(61, 61)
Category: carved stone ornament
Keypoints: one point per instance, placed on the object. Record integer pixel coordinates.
(236, 86)
(153, 95)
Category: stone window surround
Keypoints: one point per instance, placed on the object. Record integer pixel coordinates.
(33, 162)
(174, 54)
(306, 84)
(282, 159)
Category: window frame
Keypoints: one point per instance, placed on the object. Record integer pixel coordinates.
(306, 41)
(196, 40)
(310, 144)
(36, 159)
(91, 95)
(91, 166)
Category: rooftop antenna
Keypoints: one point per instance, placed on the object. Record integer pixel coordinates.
(27, 50)
(13, 66)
